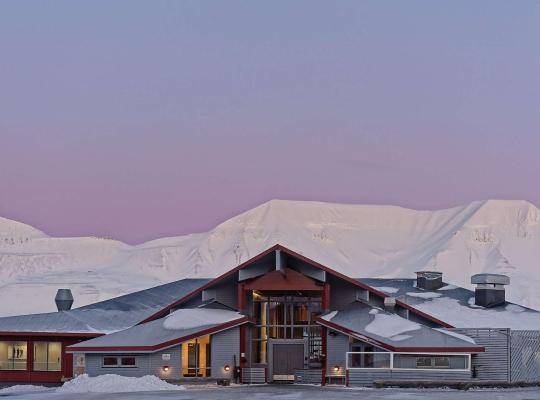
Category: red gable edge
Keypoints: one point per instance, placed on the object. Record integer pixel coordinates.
(89, 335)
(189, 296)
(208, 331)
(342, 329)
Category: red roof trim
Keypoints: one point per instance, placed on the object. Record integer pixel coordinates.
(226, 325)
(228, 274)
(53, 334)
(342, 329)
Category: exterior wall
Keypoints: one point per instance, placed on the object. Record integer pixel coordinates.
(225, 348)
(366, 377)
(147, 364)
(336, 351)
(494, 363)
(31, 376)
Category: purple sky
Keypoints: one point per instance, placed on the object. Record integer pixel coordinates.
(136, 120)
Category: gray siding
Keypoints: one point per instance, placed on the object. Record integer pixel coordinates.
(147, 364)
(94, 365)
(225, 346)
(494, 363)
(366, 377)
(336, 348)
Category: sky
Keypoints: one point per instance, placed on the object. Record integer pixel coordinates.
(142, 119)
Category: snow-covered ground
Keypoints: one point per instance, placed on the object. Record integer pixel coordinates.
(358, 240)
(284, 392)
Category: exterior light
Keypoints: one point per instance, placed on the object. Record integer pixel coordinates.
(336, 368)
(227, 368)
(166, 368)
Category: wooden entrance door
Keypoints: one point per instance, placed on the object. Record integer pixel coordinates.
(286, 358)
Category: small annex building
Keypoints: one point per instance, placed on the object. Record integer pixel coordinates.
(281, 316)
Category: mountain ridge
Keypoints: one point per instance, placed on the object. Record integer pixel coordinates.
(501, 236)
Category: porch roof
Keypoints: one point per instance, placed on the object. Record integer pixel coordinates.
(180, 326)
(393, 332)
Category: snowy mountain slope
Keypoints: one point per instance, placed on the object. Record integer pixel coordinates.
(358, 240)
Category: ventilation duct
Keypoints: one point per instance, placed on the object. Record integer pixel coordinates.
(63, 299)
(429, 280)
(489, 291)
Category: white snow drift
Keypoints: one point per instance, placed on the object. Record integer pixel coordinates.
(190, 318)
(360, 241)
(116, 384)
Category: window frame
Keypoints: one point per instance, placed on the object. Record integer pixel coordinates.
(47, 363)
(119, 360)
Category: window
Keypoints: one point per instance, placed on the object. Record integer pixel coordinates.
(13, 356)
(197, 357)
(432, 362)
(47, 356)
(128, 362)
(110, 361)
(119, 362)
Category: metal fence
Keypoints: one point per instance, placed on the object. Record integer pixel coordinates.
(525, 356)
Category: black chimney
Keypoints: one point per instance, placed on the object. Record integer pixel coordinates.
(489, 290)
(63, 299)
(429, 280)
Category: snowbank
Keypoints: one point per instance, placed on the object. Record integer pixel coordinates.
(190, 318)
(22, 389)
(116, 384)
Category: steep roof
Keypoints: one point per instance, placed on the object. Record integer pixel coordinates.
(105, 316)
(393, 332)
(455, 305)
(180, 326)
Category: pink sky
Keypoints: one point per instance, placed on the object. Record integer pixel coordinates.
(175, 116)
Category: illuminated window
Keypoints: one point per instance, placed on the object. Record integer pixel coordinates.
(47, 356)
(13, 356)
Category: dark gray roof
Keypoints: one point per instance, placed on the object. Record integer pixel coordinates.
(394, 330)
(106, 316)
(455, 305)
(156, 332)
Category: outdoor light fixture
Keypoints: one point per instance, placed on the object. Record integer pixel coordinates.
(336, 368)
(166, 368)
(227, 368)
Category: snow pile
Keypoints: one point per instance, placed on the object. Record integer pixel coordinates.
(21, 389)
(387, 290)
(190, 318)
(456, 335)
(356, 240)
(424, 295)
(116, 384)
(390, 326)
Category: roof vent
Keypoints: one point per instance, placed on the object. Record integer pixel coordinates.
(390, 304)
(63, 299)
(429, 280)
(489, 291)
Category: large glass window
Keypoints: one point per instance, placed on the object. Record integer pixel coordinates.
(13, 356)
(286, 317)
(196, 357)
(47, 356)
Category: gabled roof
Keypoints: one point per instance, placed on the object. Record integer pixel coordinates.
(393, 332)
(102, 317)
(165, 310)
(455, 305)
(178, 327)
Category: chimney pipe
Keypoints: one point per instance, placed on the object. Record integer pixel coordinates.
(489, 291)
(429, 280)
(63, 299)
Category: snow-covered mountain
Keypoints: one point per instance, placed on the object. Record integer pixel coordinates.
(358, 240)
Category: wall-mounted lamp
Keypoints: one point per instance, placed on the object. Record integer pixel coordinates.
(166, 368)
(336, 368)
(227, 368)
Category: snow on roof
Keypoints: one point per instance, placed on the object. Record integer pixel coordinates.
(105, 316)
(391, 329)
(455, 305)
(189, 318)
(180, 324)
